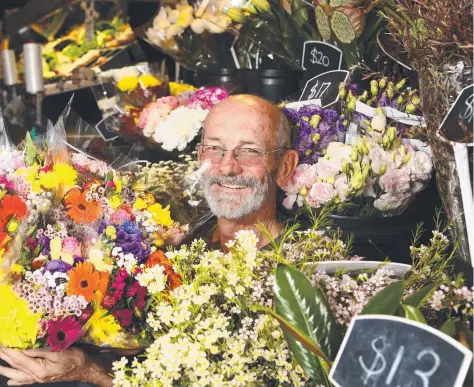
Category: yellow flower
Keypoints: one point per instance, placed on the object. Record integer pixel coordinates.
(17, 269)
(111, 232)
(19, 324)
(31, 176)
(139, 204)
(161, 216)
(178, 88)
(57, 251)
(115, 201)
(103, 328)
(127, 84)
(118, 185)
(12, 226)
(147, 80)
(100, 262)
(48, 180)
(66, 175)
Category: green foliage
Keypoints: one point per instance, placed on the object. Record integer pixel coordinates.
(387, 301)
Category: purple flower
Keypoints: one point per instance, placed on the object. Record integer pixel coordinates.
(140, 249)
(102, 226)
(57, 265)
(44, 243)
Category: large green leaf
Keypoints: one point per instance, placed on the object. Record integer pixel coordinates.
(464, 335)
(449, 327)
(307, 309)
(419, 297)
(387, 301)
(413, 313)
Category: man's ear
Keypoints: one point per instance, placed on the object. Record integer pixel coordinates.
(286, 167)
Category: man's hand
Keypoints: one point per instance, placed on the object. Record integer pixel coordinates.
(43, 366)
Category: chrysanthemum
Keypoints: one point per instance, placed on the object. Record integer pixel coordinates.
(79, 209)
(63, 332)
(83, 281)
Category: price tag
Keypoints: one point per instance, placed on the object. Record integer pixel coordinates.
(458, 123)
(325, 87)
(320, 57)
(396, 352)
(109, 127)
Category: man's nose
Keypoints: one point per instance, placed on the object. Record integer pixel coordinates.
(229, 165)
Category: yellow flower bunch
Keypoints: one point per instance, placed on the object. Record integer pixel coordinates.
(127, 84)
(147, 80)
(160, 215)
(103, 328)
(62, 175)
(19, 324)
(178, 88)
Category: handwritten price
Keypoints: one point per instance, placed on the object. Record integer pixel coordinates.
(317, 57)
(376, 369)
(319, 90)
(469, 112)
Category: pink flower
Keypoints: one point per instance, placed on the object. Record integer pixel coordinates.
(63, 332)
(379, 158)
(207, 98)
(369, 188)
(120, 216)
(326, 168)
(392, 201)
(98, 167)
(420, 166)
(124, 316)
(337, 151)
(303, 176)
(81, 160)
(71, 245)
(395, 180)
(342, 187)
(320, 193)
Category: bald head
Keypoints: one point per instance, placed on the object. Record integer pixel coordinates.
(274, 124)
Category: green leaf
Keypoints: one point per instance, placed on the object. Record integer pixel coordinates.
(306, 309)
(30, 150)
(413, 313)
(387, 301)
(419, 297)
(449, 328)
(464, 335)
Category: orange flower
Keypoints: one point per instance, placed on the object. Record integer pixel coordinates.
(83, 281)
(104, 278)
(79, 209)
(11, 206)
(4, 239)
(159, 258)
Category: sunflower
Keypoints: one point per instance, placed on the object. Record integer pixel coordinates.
(83, 281)
(79, 209)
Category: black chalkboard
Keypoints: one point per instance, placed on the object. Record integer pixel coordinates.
(320, 57)
(395, 352)
(109, 126)
(458, 123)
(325, 87)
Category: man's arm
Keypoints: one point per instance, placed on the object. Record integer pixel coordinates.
(43, 366)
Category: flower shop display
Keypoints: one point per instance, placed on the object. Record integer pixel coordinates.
(173, 122)
(437, 39)
(211, 329)
(73, 268)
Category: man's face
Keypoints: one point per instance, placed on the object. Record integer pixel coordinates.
(231, 189)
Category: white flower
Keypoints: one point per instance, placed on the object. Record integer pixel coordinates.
(326, 168)
(420, 166)
(392, 201)
(337, 151)
(181, 127)
(154, 279)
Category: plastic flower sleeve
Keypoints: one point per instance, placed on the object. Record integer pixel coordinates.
(5, 143)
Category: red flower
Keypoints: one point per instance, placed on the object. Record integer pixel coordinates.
(31, 243)
(63, 332)
(86, 315)
(124, 316)
(109, 301)
(11, 206)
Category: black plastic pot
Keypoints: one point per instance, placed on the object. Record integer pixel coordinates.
(275, 85)
(227, 78)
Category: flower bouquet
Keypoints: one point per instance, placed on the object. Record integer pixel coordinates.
(174, 122)
(76, 273)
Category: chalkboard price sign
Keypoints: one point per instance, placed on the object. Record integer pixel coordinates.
(395, 352)
(324, 87)
(321, 57)
(458, 123)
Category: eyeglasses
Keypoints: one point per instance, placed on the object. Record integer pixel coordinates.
(244, 156)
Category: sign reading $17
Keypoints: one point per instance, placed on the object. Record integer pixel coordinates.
(324, 87)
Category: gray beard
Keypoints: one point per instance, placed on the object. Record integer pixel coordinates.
(235, 206)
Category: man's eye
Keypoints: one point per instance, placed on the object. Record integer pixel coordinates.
(249, 152)
(214, 149)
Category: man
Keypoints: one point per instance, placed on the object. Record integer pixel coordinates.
(246, 145)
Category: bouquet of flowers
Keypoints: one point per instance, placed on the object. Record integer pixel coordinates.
(210, 330)
(174, 122)
(76, 271)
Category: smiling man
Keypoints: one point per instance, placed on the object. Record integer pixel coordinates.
(246, 145)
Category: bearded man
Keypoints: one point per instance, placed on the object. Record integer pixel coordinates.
(246, 148)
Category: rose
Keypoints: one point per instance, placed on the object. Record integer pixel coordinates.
(379, 158)
(420, 166)
(320, 193)
(337, 151)
(304, 175)
(326, 168)
(392, 201)
(395, 180)
(71, 245)
(342, 187)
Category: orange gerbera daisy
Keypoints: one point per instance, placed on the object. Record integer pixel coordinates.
(11, 206)
(79, 209)
(83, 281)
